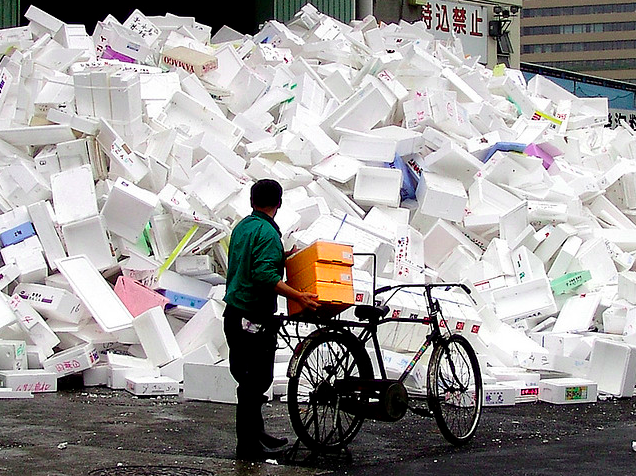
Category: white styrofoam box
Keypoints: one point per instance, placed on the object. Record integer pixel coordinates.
(122, 157)
(613, 367)
(567, 390)
(36, 135)
(594, 256)
(51, 302)
(407, 142)
(527, 266)
(455, 264)
(441, 196)
(89, 237)
(207, 382)
(453, 161)
(146, 386)
(187, 285)
(193, 265)
(367, 147)
(117, 376)
(205, 354)
(28, 258)
(486, 197)
(29, 380)
(128, 209)
(498, 395)
(361, 112)
(577, 313)
(163, 238)
(94, 291)
(615, 318)
(13, 355)
(74, 196)
(441, 239)
(156, 336)
(38, 331)
(205, 326)
(97, 375)
(43, 218)
(564, 256)
(627, 286)
(528, 299)
(14, 218)
(377, 186)
(498, 255)
(185, 113)
(73, 360)
(559, 234)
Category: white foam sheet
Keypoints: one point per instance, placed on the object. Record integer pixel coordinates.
(95, 292)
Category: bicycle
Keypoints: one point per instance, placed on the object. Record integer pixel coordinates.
(333, 388)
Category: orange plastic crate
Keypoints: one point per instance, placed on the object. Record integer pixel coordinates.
(332, 297)
(322, 252)
(324, 272)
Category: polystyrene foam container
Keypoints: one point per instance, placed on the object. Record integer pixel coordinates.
(613, 367)
(73, 360)
(567, 390)
(95, 292)
(184, 112)
(152, 386)
(378, 186)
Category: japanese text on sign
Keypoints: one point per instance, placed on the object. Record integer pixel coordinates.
(465, 21)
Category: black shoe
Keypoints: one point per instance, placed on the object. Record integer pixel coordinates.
(272, 442)
(257, 452)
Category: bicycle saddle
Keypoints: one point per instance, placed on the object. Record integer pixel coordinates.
(367, 312)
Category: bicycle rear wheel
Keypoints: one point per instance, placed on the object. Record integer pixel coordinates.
(455, 389)
(316, 415)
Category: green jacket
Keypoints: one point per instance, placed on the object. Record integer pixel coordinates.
(256, 262)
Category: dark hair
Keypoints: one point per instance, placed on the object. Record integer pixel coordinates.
(266, 193)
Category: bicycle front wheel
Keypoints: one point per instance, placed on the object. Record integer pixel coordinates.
(454, 389)
(316, 415)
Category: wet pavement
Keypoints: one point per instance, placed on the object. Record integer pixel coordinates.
(103, 432)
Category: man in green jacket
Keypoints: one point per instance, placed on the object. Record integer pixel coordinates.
(256, 262)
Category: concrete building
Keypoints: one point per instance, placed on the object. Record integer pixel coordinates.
(591, 37)
(490, 29)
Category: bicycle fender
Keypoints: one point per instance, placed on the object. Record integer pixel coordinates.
(292, 368)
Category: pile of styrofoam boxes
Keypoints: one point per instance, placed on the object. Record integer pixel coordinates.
(126, 157)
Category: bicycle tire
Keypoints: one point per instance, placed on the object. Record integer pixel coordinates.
(312, 400)
(454, 389)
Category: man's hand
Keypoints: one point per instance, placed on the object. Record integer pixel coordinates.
(291, 252)
(308, 301)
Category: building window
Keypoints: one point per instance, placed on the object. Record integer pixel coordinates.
(572, 47)
(593, 65)
(578, 10)
(577, 28)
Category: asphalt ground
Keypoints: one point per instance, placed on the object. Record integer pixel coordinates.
(103, 432)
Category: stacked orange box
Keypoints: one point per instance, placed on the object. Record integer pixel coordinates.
(323, 268)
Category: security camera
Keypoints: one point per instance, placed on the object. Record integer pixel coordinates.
(514, 9)
(497, 9)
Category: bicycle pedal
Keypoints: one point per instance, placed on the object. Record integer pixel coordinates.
(423, 412)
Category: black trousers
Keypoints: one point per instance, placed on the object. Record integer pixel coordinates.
(252, 366)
